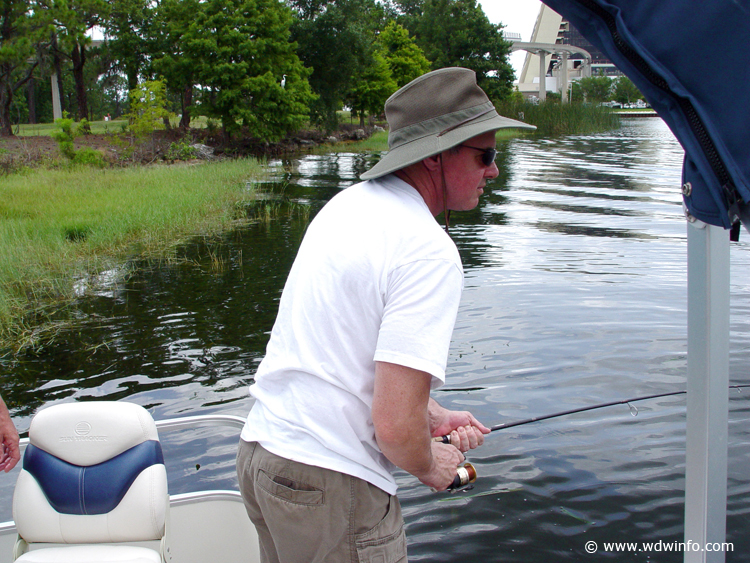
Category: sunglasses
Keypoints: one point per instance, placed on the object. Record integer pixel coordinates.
(488, 155)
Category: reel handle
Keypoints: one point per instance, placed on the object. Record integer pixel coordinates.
(465, 474)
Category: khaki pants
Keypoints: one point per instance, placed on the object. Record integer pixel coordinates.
(306, 514)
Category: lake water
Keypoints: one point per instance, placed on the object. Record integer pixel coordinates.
(575, 295)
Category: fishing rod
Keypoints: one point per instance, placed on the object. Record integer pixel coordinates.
(467, 473)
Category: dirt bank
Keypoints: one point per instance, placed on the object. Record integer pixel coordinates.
(123, 149)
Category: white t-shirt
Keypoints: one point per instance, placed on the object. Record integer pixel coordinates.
(375, 279)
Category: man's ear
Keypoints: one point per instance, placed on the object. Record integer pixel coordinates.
(432, 163)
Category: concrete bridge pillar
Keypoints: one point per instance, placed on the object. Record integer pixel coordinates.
(564, 77)
(542, 76)
(56, 106)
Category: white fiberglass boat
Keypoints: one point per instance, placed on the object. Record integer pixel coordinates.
(207, 525)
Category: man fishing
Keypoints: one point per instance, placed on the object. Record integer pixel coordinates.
(362, 336)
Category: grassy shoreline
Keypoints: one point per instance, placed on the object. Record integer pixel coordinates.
(61, 226)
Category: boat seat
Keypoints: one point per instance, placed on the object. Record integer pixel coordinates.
(93, 481)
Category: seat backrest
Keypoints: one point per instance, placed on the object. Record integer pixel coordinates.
(93, 472)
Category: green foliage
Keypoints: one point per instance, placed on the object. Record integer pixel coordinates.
(596, 89)
(240, 51)
(87, 156)
(147, 107)
(373, 88)
(553, 118)
(23, 28)
(65, 135)
(60, 225)
(128, 25)
(625, 91)
(173, 58)
(73, 20)
(180, 151)
(458, 33)
(404, 57)
(211, 126)
(335, 40)
(84, 126)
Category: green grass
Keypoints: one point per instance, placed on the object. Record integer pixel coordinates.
(59, 226)
(98, 127)
(554, 119)
(46, 129)
(378, 142)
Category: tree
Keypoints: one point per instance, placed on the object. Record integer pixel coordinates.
(335, 40)
(372, 89)
(21, 32)
(74, 20)
(596, 89)
(403, 56)
(625, 91)
(241, 52)
(128, 28)
(148, 107)
(458, 33)
(172, 23)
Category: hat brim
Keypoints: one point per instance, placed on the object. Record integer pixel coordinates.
(425, 147)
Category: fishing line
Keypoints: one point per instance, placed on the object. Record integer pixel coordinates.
(633, 410)
(467, 473)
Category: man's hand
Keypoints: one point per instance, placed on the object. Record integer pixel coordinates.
(465, 431)
(402, 426)
(446, 459)
(10, 453)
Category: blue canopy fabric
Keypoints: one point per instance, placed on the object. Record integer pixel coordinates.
(689, 59)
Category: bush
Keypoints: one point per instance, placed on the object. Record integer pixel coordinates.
(148, 107)
(89, 157)
(65, 135)
(180, 151)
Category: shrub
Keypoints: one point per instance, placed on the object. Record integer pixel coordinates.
(65, 135)
(89, 157)
(180, 151)
(148, 107)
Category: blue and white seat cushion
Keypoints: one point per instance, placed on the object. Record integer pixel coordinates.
(93, 473)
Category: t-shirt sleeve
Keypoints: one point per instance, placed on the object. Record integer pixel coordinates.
(421, 304)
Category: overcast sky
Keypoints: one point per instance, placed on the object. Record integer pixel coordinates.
(518, 16)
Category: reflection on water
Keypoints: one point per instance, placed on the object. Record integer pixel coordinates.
(575, 294)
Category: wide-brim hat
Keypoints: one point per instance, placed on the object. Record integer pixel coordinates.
(433, 113)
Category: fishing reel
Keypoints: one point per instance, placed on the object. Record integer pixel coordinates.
(465, 475)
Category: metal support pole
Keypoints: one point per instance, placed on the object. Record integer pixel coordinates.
(707, 397)
(542, 76)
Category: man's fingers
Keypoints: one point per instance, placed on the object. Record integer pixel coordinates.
(467, 438)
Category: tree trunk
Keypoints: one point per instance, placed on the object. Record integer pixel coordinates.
(187, 100)
(6, 97)
(78, 56)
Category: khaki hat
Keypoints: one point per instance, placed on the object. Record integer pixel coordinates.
(433, 113)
